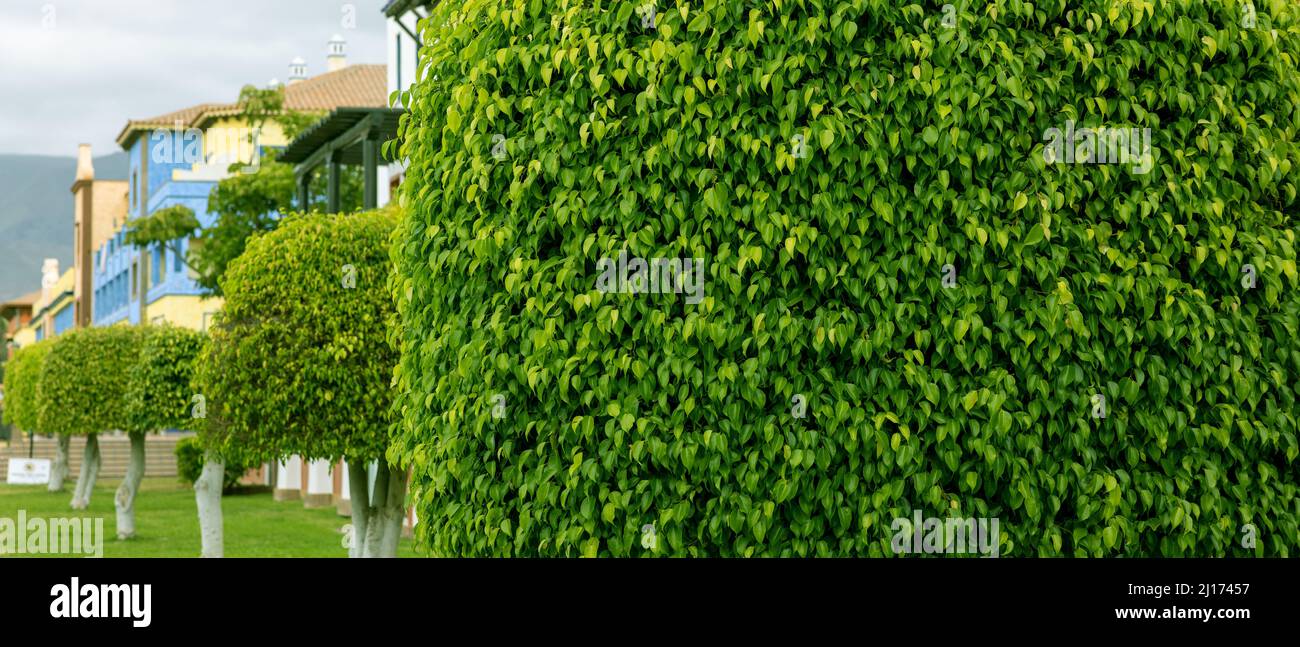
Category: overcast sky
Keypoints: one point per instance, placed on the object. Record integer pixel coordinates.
(74, 71)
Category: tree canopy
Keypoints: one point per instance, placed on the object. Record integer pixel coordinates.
(161, 395)
(85, 380)
(22, 380)
(909, 305)
(299, 361)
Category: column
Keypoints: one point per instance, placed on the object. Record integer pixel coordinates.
(334, 168)
(288, 479)
(370, 162)
(304, 190)
(320, 487)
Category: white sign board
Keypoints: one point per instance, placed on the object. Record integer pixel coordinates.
(29, 471)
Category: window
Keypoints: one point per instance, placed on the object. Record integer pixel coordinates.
(65, 319)
(157, 266)
(135, 188)
(178, 258)
(399, 62)
(135, 272)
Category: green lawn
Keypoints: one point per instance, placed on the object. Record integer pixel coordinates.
(167, 523)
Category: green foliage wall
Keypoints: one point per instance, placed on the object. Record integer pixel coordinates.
(300, 362)
(160, 394)
(827, 160)
(22, 377)
(85, 380)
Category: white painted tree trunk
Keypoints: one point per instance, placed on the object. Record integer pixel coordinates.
(394, 513)
(125, 499)
(374, 525)
(89, 472)
(59, 469)
(207, 494)
(377, 514)
(358, 489)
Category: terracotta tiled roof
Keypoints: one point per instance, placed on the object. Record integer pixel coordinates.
(26, 300)
(169, 120)
(355, 86)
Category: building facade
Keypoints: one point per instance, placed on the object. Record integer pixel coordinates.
(177, 159)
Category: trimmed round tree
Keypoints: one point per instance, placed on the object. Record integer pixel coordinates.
(751, 279)
(159, 397)
(22, 403)
(300, 361)
(84, 392)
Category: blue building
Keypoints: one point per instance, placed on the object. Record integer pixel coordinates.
(129, 282)
(177, 159)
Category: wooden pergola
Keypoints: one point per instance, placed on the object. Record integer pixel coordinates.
(348, 136)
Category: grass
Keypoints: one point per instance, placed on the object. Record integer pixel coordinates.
(167, 523)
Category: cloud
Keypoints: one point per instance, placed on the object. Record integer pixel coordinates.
(74, 71)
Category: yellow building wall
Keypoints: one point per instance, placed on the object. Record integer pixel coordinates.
(27, 335)
(64, 284)
(183, 310)
(227, 139)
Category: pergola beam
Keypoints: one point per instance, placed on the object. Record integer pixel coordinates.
(363, 138)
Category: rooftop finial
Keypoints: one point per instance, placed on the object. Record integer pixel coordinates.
(338, 57)
(297, 70)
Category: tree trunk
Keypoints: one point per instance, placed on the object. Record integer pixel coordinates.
(375, 523)
(125, 499)
(207, 494)
(359, 491)
(89, 472)
(393, 514)
(376, 516)
(59, 469)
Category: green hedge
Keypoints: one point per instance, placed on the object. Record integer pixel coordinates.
(299, 362)
(22, 377)
(85, 380)
(956, 391)
(160, 394)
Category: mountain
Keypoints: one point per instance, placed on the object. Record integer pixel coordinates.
(36, 215)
